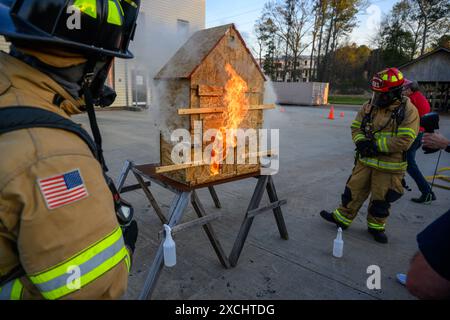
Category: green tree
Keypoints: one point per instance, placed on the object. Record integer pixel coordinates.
(397, 44)
(321, 16)
(266, 34)
(349, 73)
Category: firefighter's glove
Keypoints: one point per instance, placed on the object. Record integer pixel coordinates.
(130, 234)
(367, 148)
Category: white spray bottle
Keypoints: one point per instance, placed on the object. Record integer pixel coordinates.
(338, 246)
(170, 253)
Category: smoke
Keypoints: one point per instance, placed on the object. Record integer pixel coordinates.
(270, 97)
(155, 43)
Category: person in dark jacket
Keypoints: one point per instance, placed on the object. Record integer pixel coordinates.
(429, 273)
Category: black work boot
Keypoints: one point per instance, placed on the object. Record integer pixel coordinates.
(379, 236)
(425, 198)
(329, 216)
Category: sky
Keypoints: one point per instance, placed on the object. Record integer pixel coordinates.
(244, 13)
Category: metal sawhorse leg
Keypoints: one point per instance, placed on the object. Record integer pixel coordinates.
(178, 207)
(176, 212)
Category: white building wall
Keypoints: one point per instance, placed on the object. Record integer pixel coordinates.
(163, 27)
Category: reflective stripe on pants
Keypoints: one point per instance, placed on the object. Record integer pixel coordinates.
(339, 216)
(376, 226)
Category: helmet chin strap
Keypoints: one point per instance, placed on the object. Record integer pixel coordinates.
(89, 100)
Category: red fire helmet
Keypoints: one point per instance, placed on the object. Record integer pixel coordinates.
(387, 80)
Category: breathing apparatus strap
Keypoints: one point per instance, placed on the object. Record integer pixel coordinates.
(89, 100)
(398, 115)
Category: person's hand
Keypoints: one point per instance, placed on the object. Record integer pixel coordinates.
(435, 141)
(367, 148)
(425, 283)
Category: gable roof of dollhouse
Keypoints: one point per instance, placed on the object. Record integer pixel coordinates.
(192, 54)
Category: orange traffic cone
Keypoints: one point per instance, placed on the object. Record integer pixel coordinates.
(331, 115)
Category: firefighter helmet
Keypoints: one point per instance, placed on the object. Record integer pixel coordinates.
(387, 80)
(103, 27)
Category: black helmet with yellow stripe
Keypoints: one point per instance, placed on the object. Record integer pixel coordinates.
(103, 27)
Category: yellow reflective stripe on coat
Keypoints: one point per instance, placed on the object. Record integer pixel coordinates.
(115, 13)
(407, 132)
(376, 226)
(13, 290)
(339, 216)
(382, 145)
(88, 7)
(401, 132)
(359, 137)
(378, 164)
(356, 124)
(80, 270)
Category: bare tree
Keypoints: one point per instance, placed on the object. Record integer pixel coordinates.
(262, 36)
(406, 12)
(341, 16)
(430, 13)
(299, 29)
(322, 15)
(291, 19)
(318, 18)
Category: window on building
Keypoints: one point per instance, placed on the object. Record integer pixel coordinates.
(306, 62)
(183, 28)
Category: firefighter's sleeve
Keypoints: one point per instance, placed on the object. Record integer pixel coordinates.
(9, 260)
(407, 133)
(8, 254)
(357, 133)
(69, 242)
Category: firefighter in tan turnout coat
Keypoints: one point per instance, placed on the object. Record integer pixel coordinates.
(383, 131)
(59, 234)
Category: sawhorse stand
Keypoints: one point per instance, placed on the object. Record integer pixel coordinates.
(146, 175)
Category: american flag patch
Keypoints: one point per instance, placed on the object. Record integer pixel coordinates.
(63, 189)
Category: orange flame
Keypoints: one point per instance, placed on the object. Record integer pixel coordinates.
(237, 104)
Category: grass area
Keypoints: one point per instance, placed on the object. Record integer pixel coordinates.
(352, 100)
